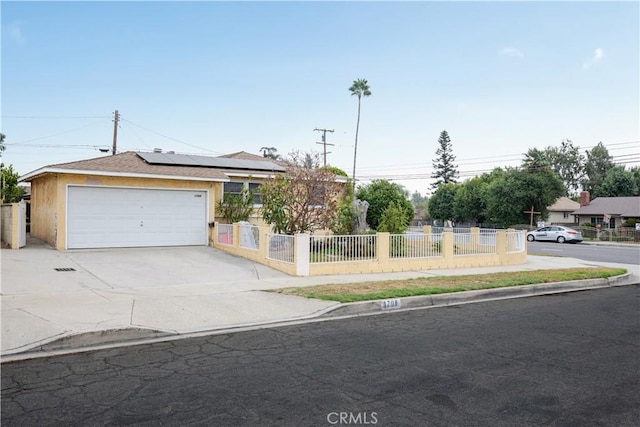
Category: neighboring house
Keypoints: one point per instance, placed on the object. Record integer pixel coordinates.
(609, 212)
(137, 199)
(561, 212)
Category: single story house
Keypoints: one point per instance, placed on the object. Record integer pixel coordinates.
(609, 212)
(135, 199)
(561, 211)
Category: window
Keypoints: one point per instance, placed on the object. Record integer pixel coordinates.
(233, 188)
(597, 220)
(565, 215)
(257, 198)
(237, 187)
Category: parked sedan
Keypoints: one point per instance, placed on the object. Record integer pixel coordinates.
(555, 233)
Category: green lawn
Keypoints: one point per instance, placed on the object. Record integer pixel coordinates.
(367, 291)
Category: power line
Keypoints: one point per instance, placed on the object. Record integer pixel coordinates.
(51, 136)
(55, 117)
(506, 158)
(172, 139)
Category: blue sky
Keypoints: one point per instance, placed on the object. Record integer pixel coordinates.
(219, 77)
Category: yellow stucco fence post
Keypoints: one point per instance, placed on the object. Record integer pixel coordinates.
(446, 245)
(264, 242)
(382, 250)
(236, 234)
(426, 229)
(501, 246)
(475, 237)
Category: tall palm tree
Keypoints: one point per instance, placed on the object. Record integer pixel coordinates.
(359, 88)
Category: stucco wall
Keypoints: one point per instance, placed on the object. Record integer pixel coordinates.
(6, 229)
(49, 193)
(44, 214)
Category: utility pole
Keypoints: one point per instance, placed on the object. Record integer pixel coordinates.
(324, 142)
(116, 119)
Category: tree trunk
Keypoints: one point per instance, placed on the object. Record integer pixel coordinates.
(355, 147)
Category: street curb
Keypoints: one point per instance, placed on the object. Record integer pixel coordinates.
(83, 342)
(467, 297)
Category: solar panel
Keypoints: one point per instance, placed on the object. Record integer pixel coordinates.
(209, 162)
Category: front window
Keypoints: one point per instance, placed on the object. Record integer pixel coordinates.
(257, 197)
(237, 187)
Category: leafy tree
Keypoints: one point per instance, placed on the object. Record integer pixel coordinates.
(597, 164)
(617, 182)
(271, 153)
(236, 207)
(2, 147)
(380, 194)
(536, 159)
(444, 170)
(470, 203)
(10, 192)
(566, 161)
(417, 198)
(393, 219)
(568, 164)
(513, 192)
(302, 199)
(335, 170)
(441, 202)
(636, 177)
(359, 88)
(345, 217)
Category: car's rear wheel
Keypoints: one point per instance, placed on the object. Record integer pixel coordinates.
(531, 238)
(560, 239)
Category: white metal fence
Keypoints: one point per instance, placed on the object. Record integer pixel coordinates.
(249, 236)
(473, 244)
(516, 241)
(413, 245)
(225, 234)
(281, 247)
(346, 248)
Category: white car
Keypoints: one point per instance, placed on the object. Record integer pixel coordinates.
(555, 233)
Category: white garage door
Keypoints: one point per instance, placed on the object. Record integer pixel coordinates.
(103, 217)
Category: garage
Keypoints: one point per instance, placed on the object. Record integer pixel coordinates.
(107, 217)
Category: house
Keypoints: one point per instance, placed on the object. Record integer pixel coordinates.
(135, 199)
(561, 212)
(608, 212)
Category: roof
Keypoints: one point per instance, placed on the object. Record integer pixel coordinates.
(243, 155)
(130, 164)
(564, 204)
(627, 207)
(172, 159)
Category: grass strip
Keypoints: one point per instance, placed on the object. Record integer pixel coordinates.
(388, 289)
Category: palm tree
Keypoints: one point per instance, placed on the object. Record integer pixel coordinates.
(271, 153)
(359, 88)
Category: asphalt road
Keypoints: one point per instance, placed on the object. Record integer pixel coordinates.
(599, 253)
(562, 360)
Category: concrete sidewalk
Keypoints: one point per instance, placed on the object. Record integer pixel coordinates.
(163, 291)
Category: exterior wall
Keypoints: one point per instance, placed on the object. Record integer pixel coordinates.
(13, 226)
(558, 218)
(6, 232)
(49, 199)
(44, 208)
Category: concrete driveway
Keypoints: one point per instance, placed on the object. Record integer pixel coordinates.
(32, 270)
(48, 295)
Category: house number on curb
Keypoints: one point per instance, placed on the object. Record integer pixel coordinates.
(390, 303)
